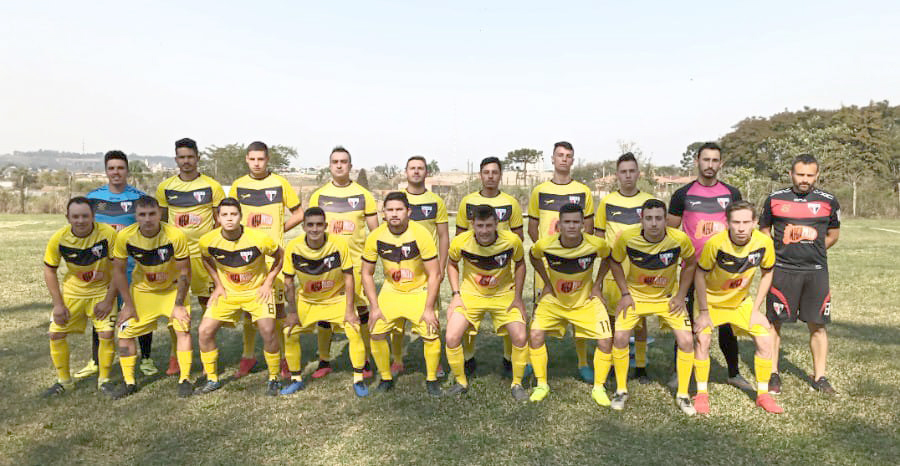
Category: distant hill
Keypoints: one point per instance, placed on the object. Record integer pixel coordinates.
(75, 162)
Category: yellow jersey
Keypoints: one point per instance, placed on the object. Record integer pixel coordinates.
(154, 258)
(320, 272)
(346, 209)
(509, 212)
(427, 209)
(617, 212)
(191, 205)
(403, 256)
(571, 270)
(487, 270)
(548, 197)
(730, 267)
(263, 203)
(88, 267)
(653, 273)
(240, 264)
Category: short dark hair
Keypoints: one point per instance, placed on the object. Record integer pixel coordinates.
(115, 155)
(258, 146)
(484, 212)
(79, 200)
(146, 201)
(187, 143)
(229, 202)
(571, 208)
(653, 204)
(626, 157)
(340, 149)
(313, 212)
(710, 146)
(739, 205)
(564, 144)
(417, 157)
(397, 196)
(804, 159)
(489, 160)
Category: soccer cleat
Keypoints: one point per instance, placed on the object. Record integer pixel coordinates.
(294, 387)
(185, 389)
(396, 369)
(367, 372)
(107, 388)
(740, 382)
(384, 386)
(684, 403)
(323, 369)
(246, 365)
(775, 384)
(361, 389)
(58, 389)
(618, 401)
(273, 387)
(519, 393)
(701, 403)
(640, 373)
(470, 366)
(125, 390)
(148, 368)
(822, 385)
(586, 373)
(173, 368)
(507, 368)
(457, 389)
(599, 395)
(90, 369)
(539, 392)
(285, 372)
(433, 387)
(209, 387)
(766, 402)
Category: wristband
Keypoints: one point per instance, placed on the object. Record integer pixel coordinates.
(455, 293)
(626, 294)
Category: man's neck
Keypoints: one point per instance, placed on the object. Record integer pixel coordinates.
(707, 181)
(315, 244)
(264, 176)
(416, 188)
(88, 233)
(189, 176)
(232, 235)
(571, 242)
(151, 233)
(117, 188)
(341, 183)
(735, 242)
(489, 192)
(628, 192)
(492, 241)
(399, 229)
(651, 239)
(561, 178)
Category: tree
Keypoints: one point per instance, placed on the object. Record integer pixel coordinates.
(433, 168)
(23, 178)
(322, 174)
(687, 158)
(589, 173)
(226, 163)
(387, 171)
(363, 179)
(519, 160)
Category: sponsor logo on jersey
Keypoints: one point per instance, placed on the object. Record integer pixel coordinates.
(656, 281)
(187, 220)
(486, 281)
(401, 275)
(156, 277)
(735, 283)
(91, 276)
(319, 286)
(707, 228)
(569, 286)
(241, 278)
(799, 233)
(259, 220)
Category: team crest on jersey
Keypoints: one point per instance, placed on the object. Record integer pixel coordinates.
(639, 211)
(666, 257)
(97, 250)
(328, 262)
(405, 251)
(270, 194)
(814, 207)
(353, 201)
(723, 201)
(199, 195)
(575, 199)
(125, 205)
(246, 255)
(753, 258)
(162, 254)
(584, 262)
(426, 210)
(500, 259)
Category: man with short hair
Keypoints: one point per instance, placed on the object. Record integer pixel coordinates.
(543, 215)
(86, 291)
(412, 280)
(653, 251)
(235, 258)
(804, 222)
(162, 278)
(491, 283)
(349, 210)
(724, 273)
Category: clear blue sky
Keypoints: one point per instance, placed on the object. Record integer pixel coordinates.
(456, 82)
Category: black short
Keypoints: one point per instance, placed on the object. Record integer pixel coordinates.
(363, 317)
(799, 294)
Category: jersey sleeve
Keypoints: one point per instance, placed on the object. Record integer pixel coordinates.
(618, 249)
(461, 220)
(834, 220)
(268, 244)
(51, 254)
(537, 249)
(441, 211)
(768, 259)
(708, 256)
(371, 208)
(120, 248)
(533, 201)
(233, 191)
(515, 217)
(344, 251)
(180, 244)
(427, 248)
(161, 195)
(518, 248)
(288, 267)
(687, 247)
(203, 244)
(735, 193)
(291, 200)
(600, 216)
(370, 250)
(217, 192)
(603, 249)
(455, 251)
(314, 199)
(676, 203)
(765, 218)
(588, 203)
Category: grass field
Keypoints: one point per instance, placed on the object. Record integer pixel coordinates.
(326, 424)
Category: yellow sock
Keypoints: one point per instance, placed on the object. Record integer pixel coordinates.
(381, 352)
(397, 345)
(127, 363)
(432, 350)
(273, 363)
(366, 339)
(468, 346)
(620, 362)
(640, 353)
(539, 363)
(249, 338)
(292, 351)
(507, 348)
(701, 373)
(173, 338)
(684, 363)
(456, 358)
(184, 364)
(279, 325)
(763, 369)
(106, 353)
(59, 354)
(519, 359)
(581, 351)
(357, 350)
(323, 337)
(210, 359)
(602, 364)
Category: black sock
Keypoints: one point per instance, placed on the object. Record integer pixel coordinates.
(95, 346)
(146, 343)
(729, 345)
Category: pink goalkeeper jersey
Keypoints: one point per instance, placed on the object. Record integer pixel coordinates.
(702, 210)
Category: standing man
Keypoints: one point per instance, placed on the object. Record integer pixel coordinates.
(699, 209)
(412, 280)
(804, 222)
(188, 201)
(114, 206)
(87, 292)
(264, 196)
(617, 212)
(543, 215)
(349, 210)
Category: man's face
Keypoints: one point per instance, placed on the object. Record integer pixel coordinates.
(627, 174)
(258, 163)
(186, 159)
(117, 172)
(804, 176)
(148, 217)
(416, 171)
(490, 176)
(709, 161)
(563, 159)
(485, 229)
(653, 221)
(570, 225)
(229, 217)
(395, 213)
(81, 218)
(339, 164)
(315, 226)
(741, 225)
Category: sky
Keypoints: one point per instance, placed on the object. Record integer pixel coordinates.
(455, 81)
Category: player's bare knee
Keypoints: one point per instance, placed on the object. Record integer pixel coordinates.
(684, 340)
(453, 339)
(378, 336)
(620, 339)
(605, 345)
(105, 335)
(517, 334)
(537, 338)
(57, 335)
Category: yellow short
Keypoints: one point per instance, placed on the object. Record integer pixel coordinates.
(201, 284)
(230, 308)
(310, 314)
(278, 286)
(496, 306)
(611, 294)
(150, 307)
(659, 309)
(588, 321)
(80, 310)
(738, 317)
(397, 307)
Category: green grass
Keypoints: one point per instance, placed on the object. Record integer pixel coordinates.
(326, 424)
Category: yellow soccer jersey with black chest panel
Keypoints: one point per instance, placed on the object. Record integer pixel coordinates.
(346, 209)
(487, 270)
(240, 264)
(88, 266)
(154, 258)
(403, 256)
(731, 267)
(191, 205)
(616, 213)
(263, 203)
(509, 212)
(548, 197)
(427, 209)
(653, 271)
(320, 272)
(571, 270)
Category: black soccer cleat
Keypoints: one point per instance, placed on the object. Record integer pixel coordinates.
(185, 389)
(384, 386)
(456, 389)
(208, 387)
(775, 384)
(507, 368)
(471, 365)
(519, 393)
(125, 390)
(433, 387)
(822, 385)
(54, 390)
(108, 389)
(273, 387)
(640, 373)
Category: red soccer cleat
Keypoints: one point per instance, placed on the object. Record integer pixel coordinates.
(173, 366)
(701, 403)
(766, 402)
(245, 367)
(285, 372)
(323, 370)
(397, 368)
